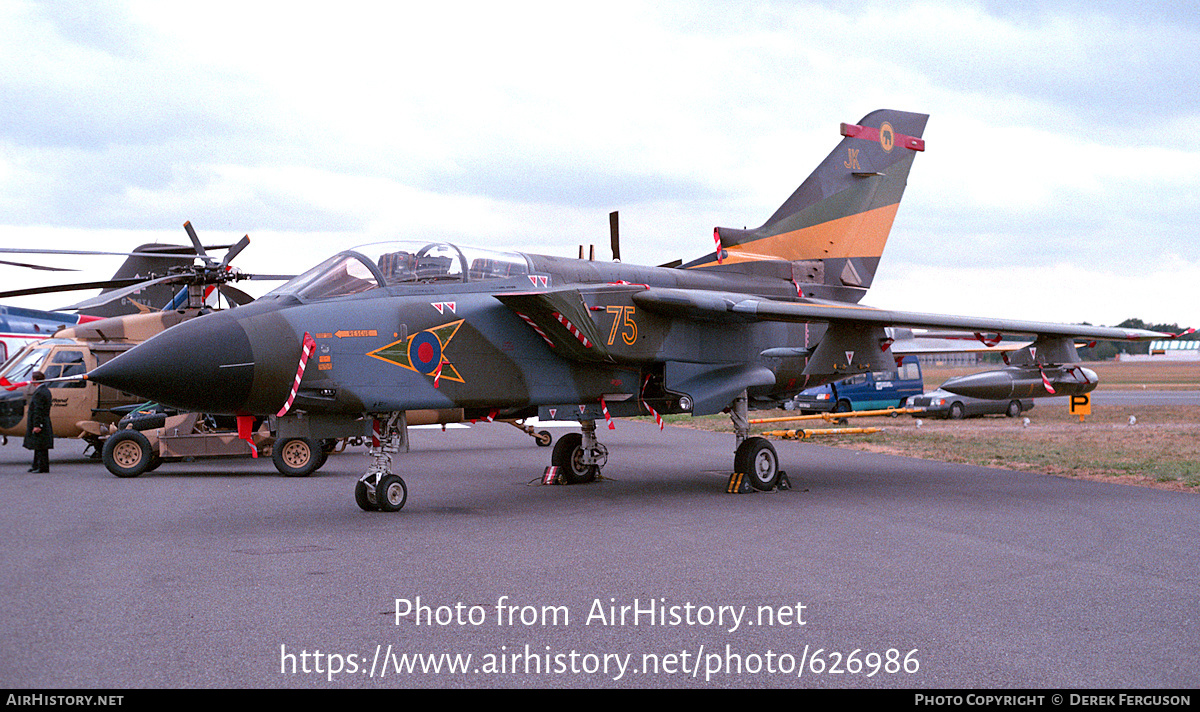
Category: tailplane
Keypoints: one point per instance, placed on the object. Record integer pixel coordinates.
(829, 235)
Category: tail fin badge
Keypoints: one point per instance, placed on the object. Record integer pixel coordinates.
(885, 135)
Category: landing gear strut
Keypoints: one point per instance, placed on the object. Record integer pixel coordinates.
(379, 489)
(543, 438)
(579, 456)
(755, 457)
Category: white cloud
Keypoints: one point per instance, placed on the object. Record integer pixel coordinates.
(1166, 291)
(1061, 133)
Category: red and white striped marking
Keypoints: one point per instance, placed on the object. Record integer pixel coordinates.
(573, 329)
(309, 347)
(657, 418)
(1046, 382)
(607, 417)
(536, 328)
(717, 242)
(10, 386)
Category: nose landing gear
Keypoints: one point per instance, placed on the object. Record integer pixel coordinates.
(379, 489)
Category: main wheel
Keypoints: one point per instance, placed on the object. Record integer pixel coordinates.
(127, 453)
(297, 457)
(364, 497)
(391, 493)
(1014, 409)
(568, 458)
(757, 459)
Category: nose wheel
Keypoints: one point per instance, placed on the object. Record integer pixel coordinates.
(386, 494)
(364, 496)
(391, 494)
(379, 490)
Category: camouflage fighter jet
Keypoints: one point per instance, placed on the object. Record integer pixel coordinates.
(348, 347)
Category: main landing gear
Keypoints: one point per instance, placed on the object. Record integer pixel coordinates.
(379, 489)
(579, 456)
(755, 457)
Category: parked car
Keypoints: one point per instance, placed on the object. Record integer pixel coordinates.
(944, 404)
(864, 391)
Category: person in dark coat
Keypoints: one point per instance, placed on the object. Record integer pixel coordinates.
(39, 434)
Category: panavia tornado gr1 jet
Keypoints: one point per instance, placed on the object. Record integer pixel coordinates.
(348, 347)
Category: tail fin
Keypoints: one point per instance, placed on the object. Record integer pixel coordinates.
(146, 263)
(829, 235)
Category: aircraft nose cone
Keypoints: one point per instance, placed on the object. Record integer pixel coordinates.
(203, 365)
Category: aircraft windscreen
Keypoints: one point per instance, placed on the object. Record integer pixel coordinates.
(24, 363)
(393, 263)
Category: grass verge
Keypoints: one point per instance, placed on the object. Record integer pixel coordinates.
(1161, 450)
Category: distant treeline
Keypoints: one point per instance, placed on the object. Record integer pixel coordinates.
(1106, 350)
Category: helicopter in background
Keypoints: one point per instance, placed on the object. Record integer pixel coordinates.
(63, 345)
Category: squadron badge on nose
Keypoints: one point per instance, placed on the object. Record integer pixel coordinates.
(424, 352)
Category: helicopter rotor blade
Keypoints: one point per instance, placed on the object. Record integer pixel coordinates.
(235, 295)
(106, 284)
(41, 267)
(143, 253)
(233, 251)
(269, 277)
(191, 232)
(107, 297)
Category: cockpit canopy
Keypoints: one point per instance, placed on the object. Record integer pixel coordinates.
(386, 264)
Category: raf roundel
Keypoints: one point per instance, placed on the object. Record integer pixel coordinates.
(425, 352)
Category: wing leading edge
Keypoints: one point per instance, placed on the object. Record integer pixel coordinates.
(710, 306)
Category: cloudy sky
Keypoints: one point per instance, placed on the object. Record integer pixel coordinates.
(1060, 180)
